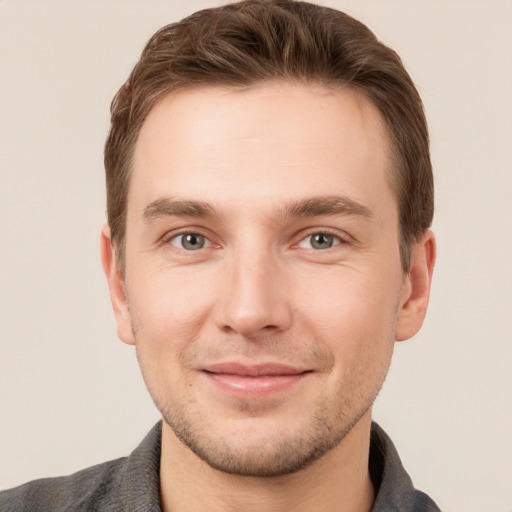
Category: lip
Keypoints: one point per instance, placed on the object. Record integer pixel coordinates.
(252, 370)
(253, 381)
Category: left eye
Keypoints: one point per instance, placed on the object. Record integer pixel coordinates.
(189, 241)
(319, 241)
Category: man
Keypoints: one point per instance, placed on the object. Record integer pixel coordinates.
(269, 197)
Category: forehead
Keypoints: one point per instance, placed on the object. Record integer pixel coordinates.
(266, 143)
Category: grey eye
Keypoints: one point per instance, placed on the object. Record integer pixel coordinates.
(319, 241)
(189, 241)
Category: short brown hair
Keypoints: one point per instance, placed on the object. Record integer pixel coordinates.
(256, 41)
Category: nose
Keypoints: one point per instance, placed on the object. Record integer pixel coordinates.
(255, 296)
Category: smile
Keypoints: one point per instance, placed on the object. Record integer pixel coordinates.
(253, 381)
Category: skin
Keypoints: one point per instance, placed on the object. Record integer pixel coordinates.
(286, 186)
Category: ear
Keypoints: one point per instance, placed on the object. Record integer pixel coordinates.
(116, 287)
(416, 289)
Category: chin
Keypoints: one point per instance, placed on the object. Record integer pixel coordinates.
(258, 450)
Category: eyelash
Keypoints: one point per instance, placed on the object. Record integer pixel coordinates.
(338, 240)
(167, 240)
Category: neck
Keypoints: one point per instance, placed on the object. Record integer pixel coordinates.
(337, 481)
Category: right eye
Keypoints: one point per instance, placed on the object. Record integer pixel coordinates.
(189, 241)
(320, 241)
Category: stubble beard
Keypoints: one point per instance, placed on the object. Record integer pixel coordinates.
(266, 458)
(271, 456)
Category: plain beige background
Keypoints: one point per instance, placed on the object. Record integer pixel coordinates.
(70, 392)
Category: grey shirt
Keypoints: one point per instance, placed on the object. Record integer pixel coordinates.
(132, 484)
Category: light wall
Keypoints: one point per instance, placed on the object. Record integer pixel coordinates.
(70, 392)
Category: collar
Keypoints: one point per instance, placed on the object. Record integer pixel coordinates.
(394, 490)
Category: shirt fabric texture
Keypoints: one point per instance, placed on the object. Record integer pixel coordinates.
(132, 483)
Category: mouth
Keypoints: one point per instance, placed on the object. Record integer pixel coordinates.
(253, 381)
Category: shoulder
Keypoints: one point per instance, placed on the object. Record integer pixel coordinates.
(88, 489)
(125, 484)
(394, 488)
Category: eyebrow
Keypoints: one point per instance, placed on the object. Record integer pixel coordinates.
(168, 207)
(330, 205)
(310, 207)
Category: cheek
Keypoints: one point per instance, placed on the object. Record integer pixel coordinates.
(353, 312)
(168, 309)
(357, 327)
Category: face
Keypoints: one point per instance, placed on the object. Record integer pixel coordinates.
(263, 283)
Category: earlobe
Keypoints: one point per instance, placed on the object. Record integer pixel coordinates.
(416, 289)
(116, 287)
